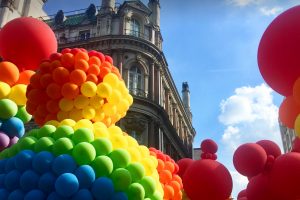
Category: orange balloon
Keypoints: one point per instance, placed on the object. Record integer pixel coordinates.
(81, 55)
(78, 76)
(161, 165)
(46, 79)
(177, 179)
(94, 69)
(176, 186)
(288, 111)
(70, 90)
(169, 166)
(106, 64)
(9, 73)
(82, 64)
(178, 196)
(168, 192)
(55, 64)
(104, 71)
(25, 76)
(53, 91)
(45, 67)
(67, 60)
(165, 176)
(94, 60)
(60, 75)
(92, 77)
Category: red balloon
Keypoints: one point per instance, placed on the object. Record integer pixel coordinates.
(27, 41)
(258, 188)
(296, 145)
(241, 194)
(288, 111)
(285, 176)
(243, 198)
(183, 165)
(209, 146)
(270, 147)
(279, 50)
(249, 159)
(207, 179)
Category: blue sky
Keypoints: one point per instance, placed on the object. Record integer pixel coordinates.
(213, 44)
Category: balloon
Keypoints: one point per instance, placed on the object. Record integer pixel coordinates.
(66, 104)
(16, 195)
(25, 76)
(63, 164)
(102, 146)
(284, 176)
(84, 153)
(121, 179)
(32, 38)
(42, 162)
(296, 145)
(67, 60)
(9, 71)
(23, 160)
(46, 182)
(102, 165)
(136, 191)
(12, 180)
(207, 179)
(111, 79)
(62, 146)
(63, 131)
(81, 102)
(17, 94)
(23, 115)
(258, 188)
(35, 194)
(107, 188)
(242, 193)
(78, 77)
(183, 165)
(88, 89)
(60, 75)
(104, 90)
(70, 91)
(83, 135)
(249, 159)
(13, 127)
(4, 141)
(81, 64)
(94, 68)
(29, 180)
(278, 52)
(85, 175)
(209, 146)
(66, 185)
(4, 90)
(136, 170)
(270, 147)
(83, 194)
(120, 158)
(44, 144)
(27, 142)
(8, 109)
(13, 141)
(288, 112)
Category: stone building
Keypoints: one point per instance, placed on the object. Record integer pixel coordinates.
(287, 136)
(11, 9)
(130, 33)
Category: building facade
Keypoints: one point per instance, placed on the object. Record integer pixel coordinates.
(130, 33)
(11, 9)
(287, 135)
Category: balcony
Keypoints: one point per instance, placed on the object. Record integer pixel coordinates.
(138, 92)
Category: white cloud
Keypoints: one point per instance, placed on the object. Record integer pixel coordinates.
(248, 115)
(270, 11)
(243, 3)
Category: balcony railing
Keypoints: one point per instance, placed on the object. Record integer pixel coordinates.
(138, 92)
(137, 34)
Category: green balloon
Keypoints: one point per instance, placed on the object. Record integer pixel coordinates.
(83, 135)
(8, 108)
(120, 158)
(102, 146)
(46, 131)
(84, 153)
(32, 132)
(62, 146)
(23, 115)
(136, 170)
(103, 166)
(44, 144)
(12, 151)
(3, 154)
(63, 131)
(136, 191)
(149, 185)
(156, 196)
(121, 178)
(27, 142)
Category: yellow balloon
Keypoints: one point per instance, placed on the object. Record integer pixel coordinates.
(61, 115)
(83, 123)
(104, 90)
(131, 141)
(76, 114)
(111, 79)
(100, 132)
(53, 123)
(148, 165)
(67, 122)
(129, 99)
(99, 115)
(154, 161)
(96, 102)
(107, 121)
(122, 88)
(123, 106)
(114, 98)
(134, 154)
(115, 118)
(118, 141)
(18, 94)
(88, 112)
(88, 89)
(109, 109)
(66, 104)
(99, 125)
(4, 90)
(297, 126)
(115, 130)
(144, 151)
(81, 101)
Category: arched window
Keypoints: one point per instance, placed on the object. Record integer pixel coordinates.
(135, 28)
(136, 85)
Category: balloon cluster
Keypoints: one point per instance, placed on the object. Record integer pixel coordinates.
(167, 170)
(205, 178)
(13, 115)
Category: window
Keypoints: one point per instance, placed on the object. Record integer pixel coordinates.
(84, 35)
(135, 28)
(136, 81)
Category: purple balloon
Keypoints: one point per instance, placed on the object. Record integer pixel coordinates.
(13, 141)
(4, 141)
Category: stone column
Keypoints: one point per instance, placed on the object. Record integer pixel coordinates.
(151, 82)
(158, 85)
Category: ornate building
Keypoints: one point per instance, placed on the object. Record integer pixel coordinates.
(11, 9)
(130, 33)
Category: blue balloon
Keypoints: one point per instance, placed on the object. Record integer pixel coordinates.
(83, 194)
(4, 193)
(66, 185)
(10, 165)
(46, 182)
(16, 195)
(29, 180)
(35, 194)
(63, 164)
(55, 196)
(119, 196)
(23, 160)
(42, 161)
(103, 188)
(12, 180)
(85, 175)
(2, 165)
(13, 127)
(2, 179)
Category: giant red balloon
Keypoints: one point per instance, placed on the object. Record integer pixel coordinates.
(279, 50)
(241, 194)
(296, 145)
(207, 179)
(258, 188)
(270, 147)
(209, 146)
(26, 42)
(285, 176)
(249, 159)
(288, 111)
(183, 165)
